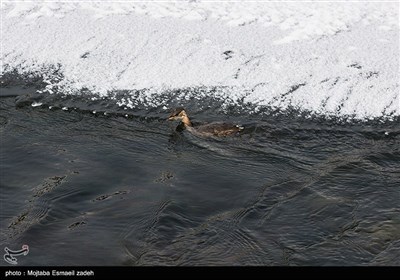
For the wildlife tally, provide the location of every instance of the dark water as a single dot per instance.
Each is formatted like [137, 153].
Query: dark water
[93, 189]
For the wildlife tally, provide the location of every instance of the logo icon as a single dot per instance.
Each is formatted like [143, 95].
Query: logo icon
[9, 256]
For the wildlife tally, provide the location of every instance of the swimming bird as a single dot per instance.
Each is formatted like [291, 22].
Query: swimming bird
[211, 129]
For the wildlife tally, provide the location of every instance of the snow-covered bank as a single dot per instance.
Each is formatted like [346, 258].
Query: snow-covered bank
[325, 57]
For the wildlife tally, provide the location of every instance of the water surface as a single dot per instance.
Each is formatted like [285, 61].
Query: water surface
[122, 187]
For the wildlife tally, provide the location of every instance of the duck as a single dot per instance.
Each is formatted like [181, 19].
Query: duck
[211, 129]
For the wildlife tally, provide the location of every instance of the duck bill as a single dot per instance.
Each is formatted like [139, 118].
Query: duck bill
[171, 119]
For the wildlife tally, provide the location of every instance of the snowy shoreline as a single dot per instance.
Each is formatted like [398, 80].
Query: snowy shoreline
[338, 59]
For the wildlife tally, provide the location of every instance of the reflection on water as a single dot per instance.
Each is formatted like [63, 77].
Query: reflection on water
[132, 191]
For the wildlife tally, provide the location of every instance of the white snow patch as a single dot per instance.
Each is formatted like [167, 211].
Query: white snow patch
[339, 58]
[36, 104]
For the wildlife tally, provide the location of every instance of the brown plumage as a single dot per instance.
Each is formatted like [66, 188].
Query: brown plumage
[211, 129]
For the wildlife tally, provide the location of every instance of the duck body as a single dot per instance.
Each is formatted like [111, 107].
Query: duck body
[212, 129]
[216, 129]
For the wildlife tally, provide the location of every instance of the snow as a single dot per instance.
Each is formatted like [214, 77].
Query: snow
[329, 58]
[36, 104]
